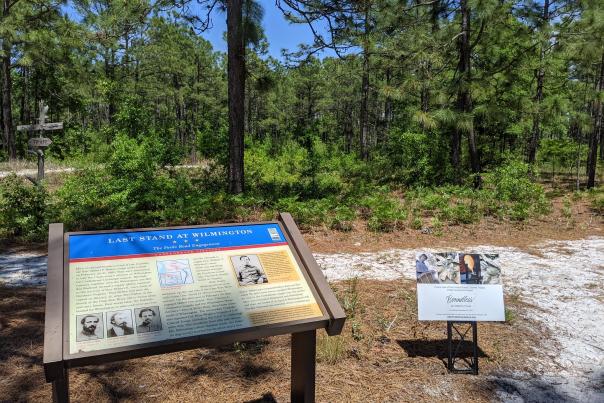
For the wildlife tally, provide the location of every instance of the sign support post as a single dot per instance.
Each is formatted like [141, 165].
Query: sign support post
[462, 329]
[40, 164]
[304, 348]
[54, 366]
[60, 388]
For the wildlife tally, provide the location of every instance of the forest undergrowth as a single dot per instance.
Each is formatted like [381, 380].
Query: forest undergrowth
[139, 185]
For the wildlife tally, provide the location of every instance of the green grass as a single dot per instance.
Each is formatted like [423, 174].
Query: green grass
[330, 350]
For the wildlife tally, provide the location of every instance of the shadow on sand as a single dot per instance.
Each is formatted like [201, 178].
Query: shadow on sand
[437, 348]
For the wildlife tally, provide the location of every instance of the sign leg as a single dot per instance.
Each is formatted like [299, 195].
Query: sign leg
[450, 345]
[304, 349]
[60, 388]
[475, 346]
[462, 330]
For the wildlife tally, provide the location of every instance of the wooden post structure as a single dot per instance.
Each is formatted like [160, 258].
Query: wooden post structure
[54, 366]
[304, 348]
[37, 145]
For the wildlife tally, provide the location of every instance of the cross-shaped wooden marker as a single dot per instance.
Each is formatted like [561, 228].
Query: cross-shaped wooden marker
[38, 144]
[42, 126]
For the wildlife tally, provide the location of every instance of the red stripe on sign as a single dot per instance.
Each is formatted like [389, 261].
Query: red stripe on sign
[178, 252]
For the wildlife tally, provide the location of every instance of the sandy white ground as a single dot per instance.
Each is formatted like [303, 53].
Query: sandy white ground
[562, 282]
[22, 269]
[33, 172]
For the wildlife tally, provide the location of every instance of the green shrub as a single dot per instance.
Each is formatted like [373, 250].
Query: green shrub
[463, 213]
[23, 209]
[343, 219]
[407, 158]
[309, 213]
[130, 190]
[437, 226]
[567, 210]
[385, 213]
[417, 223]
[292, 170]
[597, 203]
[277, 174]
[560, 153]
[323, 184]
[432, 201]
[517, 196]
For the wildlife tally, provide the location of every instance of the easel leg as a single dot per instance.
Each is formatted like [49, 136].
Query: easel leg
[450, 340]
[60, 388]
[462, 332]
[475, 346]
[304, 349]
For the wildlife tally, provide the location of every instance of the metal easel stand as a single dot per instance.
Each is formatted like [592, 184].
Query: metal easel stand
[461, 332]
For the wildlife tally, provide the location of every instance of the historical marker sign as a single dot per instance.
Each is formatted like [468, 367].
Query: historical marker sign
[131, 293]
[39, 142]
[459, 287]
[195, 281]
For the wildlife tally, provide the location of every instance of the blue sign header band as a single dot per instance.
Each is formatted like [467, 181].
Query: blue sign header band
[83, 247]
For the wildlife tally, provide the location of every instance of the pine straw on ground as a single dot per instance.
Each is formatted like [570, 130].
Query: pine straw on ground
[384, 354]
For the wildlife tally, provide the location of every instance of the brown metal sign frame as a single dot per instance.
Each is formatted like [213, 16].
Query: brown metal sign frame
[57, 359]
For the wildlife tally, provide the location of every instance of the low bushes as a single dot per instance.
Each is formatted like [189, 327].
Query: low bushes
[597, 201]
[131, 189]
[23, 209]
[137, 186]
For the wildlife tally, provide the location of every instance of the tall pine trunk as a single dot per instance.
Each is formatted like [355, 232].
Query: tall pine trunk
[1, 111]
[592, 159]
[365, 90]
[540, 75]
[236, 94]
[23, 102]
[464, 98]
[387, 109]
[7, 110]
[434, 28]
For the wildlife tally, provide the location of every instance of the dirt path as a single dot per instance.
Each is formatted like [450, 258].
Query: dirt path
[33, 172]
[559, 282]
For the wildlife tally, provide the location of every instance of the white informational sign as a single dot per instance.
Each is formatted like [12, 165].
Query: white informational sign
[459, 287]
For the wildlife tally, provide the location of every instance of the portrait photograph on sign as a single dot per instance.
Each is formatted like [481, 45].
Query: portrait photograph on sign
[249, 270]
[148, 319]
[91, 326]
[119, 323]
[479, 269]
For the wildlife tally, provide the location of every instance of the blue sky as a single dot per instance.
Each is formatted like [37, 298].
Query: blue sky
[279, 33]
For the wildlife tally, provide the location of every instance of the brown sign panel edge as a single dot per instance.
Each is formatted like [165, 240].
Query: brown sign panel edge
[56, 340]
